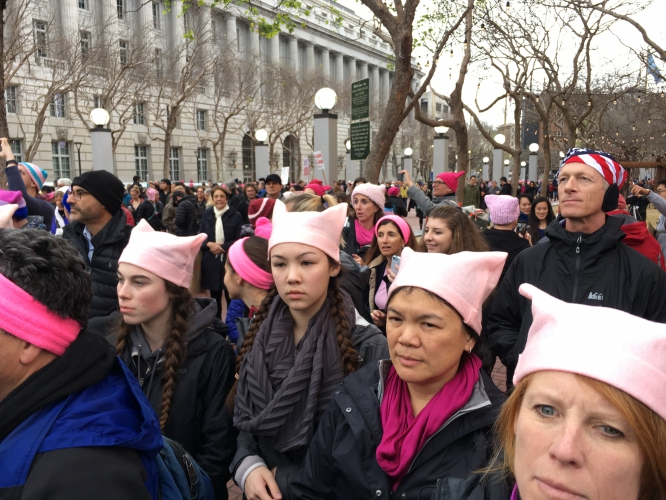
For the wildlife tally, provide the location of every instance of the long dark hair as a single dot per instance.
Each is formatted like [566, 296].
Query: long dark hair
[348, 355]
[534, 221]
[373, 251]
[465, 236]
[174, 355]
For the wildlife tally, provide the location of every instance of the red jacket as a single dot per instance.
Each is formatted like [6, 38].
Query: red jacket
[639, 238]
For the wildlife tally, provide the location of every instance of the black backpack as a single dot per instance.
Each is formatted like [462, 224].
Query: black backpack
[195, 222]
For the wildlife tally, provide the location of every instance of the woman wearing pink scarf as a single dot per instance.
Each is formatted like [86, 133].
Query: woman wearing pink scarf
[420, 425]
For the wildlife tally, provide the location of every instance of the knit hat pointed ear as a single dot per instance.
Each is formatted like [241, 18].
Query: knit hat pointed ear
[166, 255]
[445, 276]
[321, 230]
[563, 335]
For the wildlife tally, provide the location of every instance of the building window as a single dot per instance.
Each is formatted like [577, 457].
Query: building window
[248, 159]
[140, 113]
[83, 4]
[158, 63]
[17, 149]
[156, 15]
[84, 43]
[123, 52]
[438, 107]
[141, 161]
[120, 6]
[57, 106]
[99, 102]
[60, 150]
[202, 164]
[39, 31]
[11, 99]
[201, 119]
[424, 106]
[174, 163]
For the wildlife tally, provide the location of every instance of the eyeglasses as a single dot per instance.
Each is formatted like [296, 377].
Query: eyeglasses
[437, 183]
[659, 191]
[78, 194]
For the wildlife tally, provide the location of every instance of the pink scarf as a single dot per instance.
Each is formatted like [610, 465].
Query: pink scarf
[363, 235]
[404, 434]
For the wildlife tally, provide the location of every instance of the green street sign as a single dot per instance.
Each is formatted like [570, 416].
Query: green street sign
[360, 102]
[359, 135]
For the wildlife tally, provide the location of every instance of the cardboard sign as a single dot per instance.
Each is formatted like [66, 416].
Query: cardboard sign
[285, 175]
[319, 160]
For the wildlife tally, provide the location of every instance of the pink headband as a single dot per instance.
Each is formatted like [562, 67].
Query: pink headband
[33, 322]
[405, 230]
[247, 269]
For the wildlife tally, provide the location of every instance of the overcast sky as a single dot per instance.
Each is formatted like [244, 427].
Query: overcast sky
[609, 52]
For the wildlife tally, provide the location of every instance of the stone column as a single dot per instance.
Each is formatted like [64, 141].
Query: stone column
[275, 49]
[230, 42]
[110, 23]
[309, 58]
[364, 70]
[325, 62]
[69, 26]
[293, 53]
[352, 69]
[340, 69]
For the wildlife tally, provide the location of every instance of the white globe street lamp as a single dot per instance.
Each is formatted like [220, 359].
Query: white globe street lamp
[408, 152]
[506, 162]
[325, 99]
[561, 154]
[534, 147]
[261, 135]
[100, 117]
[441, 130]
[486, 159]
[500, 138]
[522, 163]
[348, 145]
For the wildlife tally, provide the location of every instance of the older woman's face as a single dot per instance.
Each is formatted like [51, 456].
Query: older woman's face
[426, 339]
[571, 442]
[220, 199]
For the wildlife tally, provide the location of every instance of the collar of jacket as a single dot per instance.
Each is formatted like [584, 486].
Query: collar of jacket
[600, 241]
[115, 230]
[449, 197]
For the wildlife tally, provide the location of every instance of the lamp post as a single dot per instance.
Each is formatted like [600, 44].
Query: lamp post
[326, 134]
[349, 164]
[78, 152]
[484, 169]
[497, 156]
[407, 161]
[440, 153]
[261, 160]
[100, 139]
[533, 161]
[523, 170]
[506, 171]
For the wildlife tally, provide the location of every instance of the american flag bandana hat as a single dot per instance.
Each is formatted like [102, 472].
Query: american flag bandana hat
[602, 162]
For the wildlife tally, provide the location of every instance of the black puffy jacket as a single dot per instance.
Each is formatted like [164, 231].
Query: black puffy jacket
[341, 460]
[109, 243]
[186, 215]
[592, 269]
[199, 418]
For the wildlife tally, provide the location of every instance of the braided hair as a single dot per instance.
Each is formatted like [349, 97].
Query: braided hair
[343, 332]
[181, 308]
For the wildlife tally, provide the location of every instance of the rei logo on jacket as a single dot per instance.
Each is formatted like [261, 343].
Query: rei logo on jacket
[596, 296]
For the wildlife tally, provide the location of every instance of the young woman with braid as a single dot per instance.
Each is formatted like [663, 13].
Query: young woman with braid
[175, 346]
[295, 355]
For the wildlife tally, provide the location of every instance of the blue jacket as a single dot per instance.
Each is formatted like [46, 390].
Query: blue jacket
[235, 310]
[111, 413]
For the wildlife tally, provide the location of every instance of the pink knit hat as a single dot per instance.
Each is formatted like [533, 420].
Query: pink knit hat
[168, 256]
[264, 228]
[320, 230]
[394, 191]
[503, 208]
[464, 279]
[372, 191]
[563, 336]
[451, 179]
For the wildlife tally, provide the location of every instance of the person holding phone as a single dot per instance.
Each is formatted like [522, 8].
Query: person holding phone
[391, 235]
[443, 191]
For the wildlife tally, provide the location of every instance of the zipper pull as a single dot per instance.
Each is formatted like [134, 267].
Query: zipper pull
[578, 241]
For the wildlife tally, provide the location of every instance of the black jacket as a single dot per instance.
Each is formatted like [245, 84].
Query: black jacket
[104, 472]
[341, 460]
[185, 216]
[397, 205]
[354, 280]
[371, 346]
[500, 240]
[506, 189]
[212, 266]
[592, 269]
[351, 245]
[109, 243]
[199, 418]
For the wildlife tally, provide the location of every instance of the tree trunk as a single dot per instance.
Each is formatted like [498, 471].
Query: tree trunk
[546, 172]
[462, 163]
[395, 107]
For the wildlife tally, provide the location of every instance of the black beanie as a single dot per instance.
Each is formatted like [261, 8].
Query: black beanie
[104, 186]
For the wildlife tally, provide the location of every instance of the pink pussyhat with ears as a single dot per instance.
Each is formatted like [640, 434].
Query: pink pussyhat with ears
[451, 179]
[166, 255]
[321, 230]
[593, 341]
[464, 279]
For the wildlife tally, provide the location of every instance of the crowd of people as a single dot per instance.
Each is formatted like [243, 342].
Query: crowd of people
[307, 342]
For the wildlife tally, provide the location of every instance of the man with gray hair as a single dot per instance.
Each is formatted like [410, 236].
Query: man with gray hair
[583, 261]
[64, 182]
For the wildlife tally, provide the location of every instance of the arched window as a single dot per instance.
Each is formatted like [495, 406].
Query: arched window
[249, 166]
[290, 156]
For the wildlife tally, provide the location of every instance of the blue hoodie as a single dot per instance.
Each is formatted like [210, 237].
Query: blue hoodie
[111, 413]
